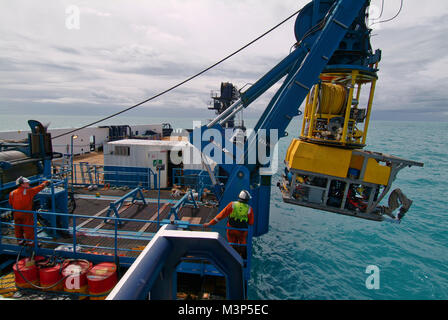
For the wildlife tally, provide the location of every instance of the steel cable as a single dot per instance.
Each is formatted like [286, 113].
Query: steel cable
[184, 81]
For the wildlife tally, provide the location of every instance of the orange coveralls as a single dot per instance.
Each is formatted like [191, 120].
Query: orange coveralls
[22, 199]
[234, 236]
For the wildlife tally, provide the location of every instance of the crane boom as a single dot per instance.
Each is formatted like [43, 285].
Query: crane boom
[332, 52]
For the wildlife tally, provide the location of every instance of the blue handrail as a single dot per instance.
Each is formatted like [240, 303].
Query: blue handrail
[117, 234]
[188, 198]
[136, 194]
[102, 177]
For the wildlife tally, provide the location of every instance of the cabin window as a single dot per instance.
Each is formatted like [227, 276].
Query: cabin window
[122, 151]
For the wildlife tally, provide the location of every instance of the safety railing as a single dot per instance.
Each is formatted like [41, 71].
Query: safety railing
[192, 178]
[74, 231]
[136, 194]
[188, 198]
[85, 174]
[199, 180]
[82, 248]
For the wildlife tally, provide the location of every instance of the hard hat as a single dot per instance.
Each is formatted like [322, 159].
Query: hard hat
[21, 180]
[244, 195]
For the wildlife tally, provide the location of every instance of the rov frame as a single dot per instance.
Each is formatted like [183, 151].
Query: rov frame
[319, 190]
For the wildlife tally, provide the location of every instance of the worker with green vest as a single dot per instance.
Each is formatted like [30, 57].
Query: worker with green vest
[240, 215]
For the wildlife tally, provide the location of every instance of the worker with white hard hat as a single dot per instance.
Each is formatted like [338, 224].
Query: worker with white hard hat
[22, 199]
[240, 215]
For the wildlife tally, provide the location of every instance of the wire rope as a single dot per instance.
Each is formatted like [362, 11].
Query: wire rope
[184, 81]
[388, 20]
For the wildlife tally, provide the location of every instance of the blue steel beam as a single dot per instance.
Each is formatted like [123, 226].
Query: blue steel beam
[153, 273]
[285, 104]
[303, 67]
[298, 84]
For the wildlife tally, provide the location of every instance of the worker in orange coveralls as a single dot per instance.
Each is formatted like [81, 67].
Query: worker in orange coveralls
[241, 216]
[22, 199]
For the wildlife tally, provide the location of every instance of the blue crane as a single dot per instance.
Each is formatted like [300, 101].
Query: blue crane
[331, 58]
[331, 35]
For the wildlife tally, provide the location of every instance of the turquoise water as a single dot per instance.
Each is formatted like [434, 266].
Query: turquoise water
[309, 254]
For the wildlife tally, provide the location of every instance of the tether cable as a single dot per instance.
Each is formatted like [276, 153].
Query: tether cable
[387, 20]
[184, 81]
[381, 13]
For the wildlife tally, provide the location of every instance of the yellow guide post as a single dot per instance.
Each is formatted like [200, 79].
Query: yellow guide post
[349, 107]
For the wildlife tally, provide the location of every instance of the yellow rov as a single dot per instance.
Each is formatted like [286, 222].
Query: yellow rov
[326, 168]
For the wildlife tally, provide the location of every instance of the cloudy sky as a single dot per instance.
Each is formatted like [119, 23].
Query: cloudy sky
[126, 51]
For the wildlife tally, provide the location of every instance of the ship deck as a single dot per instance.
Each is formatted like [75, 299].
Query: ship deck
[140, 222]
[97, 235]
[94, 233]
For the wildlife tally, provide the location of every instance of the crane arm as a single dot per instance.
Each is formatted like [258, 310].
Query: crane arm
[327, 24]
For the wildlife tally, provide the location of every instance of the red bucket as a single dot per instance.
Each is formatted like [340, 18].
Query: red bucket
[102, 278]
[75, 272]
[26, 272]
[49, 276]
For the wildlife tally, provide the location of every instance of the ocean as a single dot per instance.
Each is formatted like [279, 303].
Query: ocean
[310, 254]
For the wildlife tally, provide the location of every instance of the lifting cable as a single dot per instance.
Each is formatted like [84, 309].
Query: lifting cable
[184, 81]
[381, 13]
[387, 20]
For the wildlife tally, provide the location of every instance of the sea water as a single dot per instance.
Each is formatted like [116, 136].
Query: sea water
[310, 254]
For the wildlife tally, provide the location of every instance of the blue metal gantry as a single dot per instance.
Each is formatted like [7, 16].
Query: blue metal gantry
[322, 28]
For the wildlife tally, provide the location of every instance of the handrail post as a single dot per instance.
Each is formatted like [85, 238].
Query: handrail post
[53, 199]
[74, 234]
[75, 178]
[158, 199]
[116, 240]
[35, 230]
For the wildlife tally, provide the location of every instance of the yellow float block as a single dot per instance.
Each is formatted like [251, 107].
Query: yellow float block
[334, 161]
[376, 173]
[316, 158]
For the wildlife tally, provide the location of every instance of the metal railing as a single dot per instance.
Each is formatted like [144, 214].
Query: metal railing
[80, 249]
[193, 179]
[198, 180]
[74, 231]
[85, 174]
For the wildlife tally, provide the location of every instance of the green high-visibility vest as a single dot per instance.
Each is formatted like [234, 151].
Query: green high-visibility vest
[240, 211]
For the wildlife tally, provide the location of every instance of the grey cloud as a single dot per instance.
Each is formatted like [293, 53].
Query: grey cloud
[8, 65]
[60, 67]
[100, 72]
[412, 76]
[67, 50]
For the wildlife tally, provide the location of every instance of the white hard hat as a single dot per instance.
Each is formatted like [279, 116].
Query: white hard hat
[21, 180]
[244, 195]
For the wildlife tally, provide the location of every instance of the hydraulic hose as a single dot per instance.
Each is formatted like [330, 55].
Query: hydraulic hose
[53, 285]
